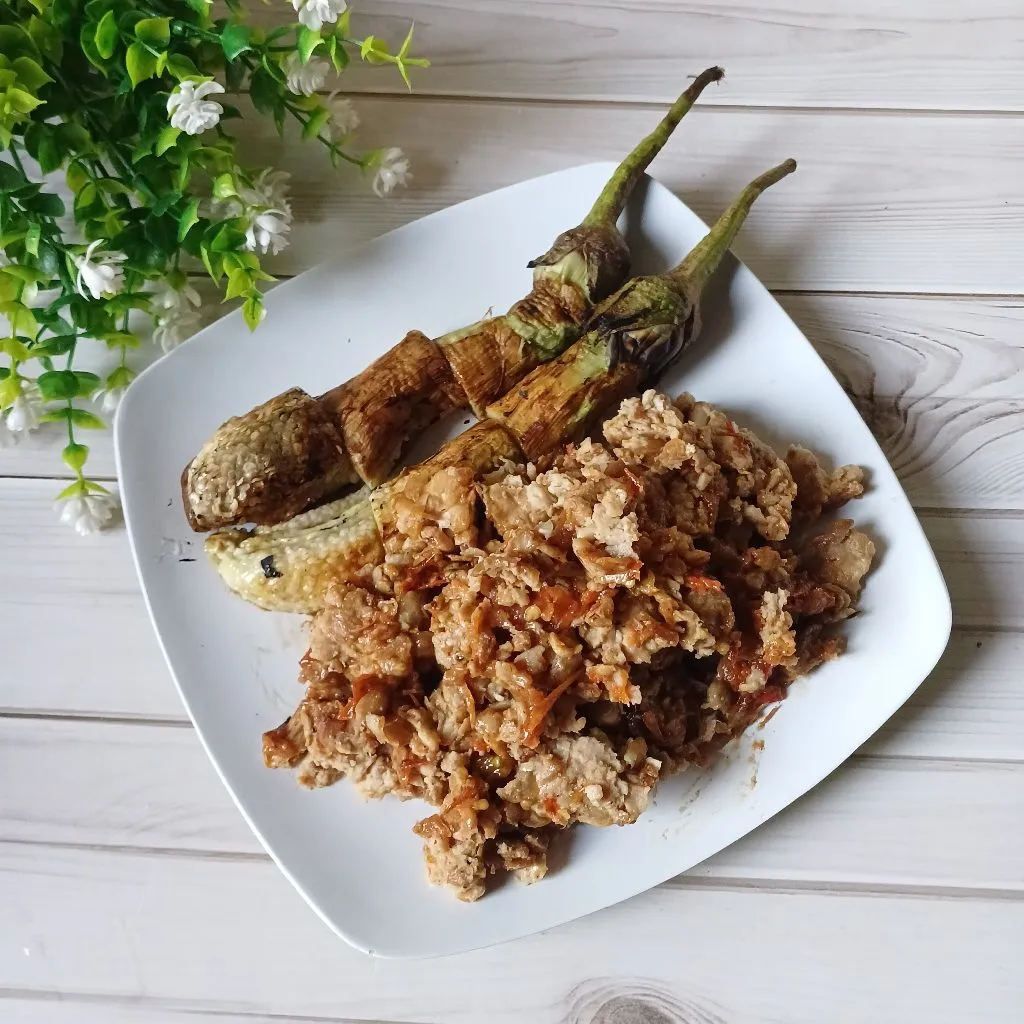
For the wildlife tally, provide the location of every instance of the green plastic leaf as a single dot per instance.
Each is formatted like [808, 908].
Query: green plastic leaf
[74, 456]
[30, 73]
[32, 240]
[26, 275]
[57, 345]
[254, 311]
[49, 153]
[212, 261]
[45, 37]
[167, 138]
[164, 203]
[161, 62]
[141, 64]
[338, 54]
[309, 40]
[86, 420]
[21, 321]
[264, 92]
[10, 177]
[46, 204]
[224, 186]
[238, 284]
[48, 258]
[88, 44]
[199, 6]
[76, 486]
[227, 238]
[113, 187]
[120, 339]
[311, 129]
[58, 385]
[14, 347]
[87, 382]
[235, 39]
[234, 75]
[106, 35]
[21, 101]
[188, 219]
[181, 67]
[16, 42]
[374, 50]
[154, 32]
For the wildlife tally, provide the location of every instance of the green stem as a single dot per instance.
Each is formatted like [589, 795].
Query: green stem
[702, 261]
[610, 202]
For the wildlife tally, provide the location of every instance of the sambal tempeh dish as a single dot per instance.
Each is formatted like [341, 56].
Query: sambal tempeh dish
[594, 587]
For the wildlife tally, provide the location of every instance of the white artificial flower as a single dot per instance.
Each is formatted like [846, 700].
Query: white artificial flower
[305, 79]
[189, 108]
[268, 210]
[173, 328]
[315, 13]
[108, 399]
[87, 513]
[268, 231]
[168, 297]
[269, 189]
[343, 120]
[24, 412]
[392, 171]
[176, 318]
[101, 275]
[7, 436]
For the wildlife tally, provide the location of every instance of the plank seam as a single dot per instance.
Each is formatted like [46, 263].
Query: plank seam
[712, 105]
[685, 881]
[182, 1007]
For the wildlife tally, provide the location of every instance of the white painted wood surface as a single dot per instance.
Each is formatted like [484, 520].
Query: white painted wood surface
[130, 889]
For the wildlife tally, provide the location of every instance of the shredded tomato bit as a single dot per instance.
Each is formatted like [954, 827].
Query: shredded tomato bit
[541, 709]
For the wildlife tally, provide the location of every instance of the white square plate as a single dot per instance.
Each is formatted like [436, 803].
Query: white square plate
[358, 864]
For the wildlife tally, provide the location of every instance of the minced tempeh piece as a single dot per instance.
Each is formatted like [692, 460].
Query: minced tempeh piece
[615, 615]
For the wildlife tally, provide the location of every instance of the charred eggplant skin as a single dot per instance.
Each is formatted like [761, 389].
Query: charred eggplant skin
[264, 468]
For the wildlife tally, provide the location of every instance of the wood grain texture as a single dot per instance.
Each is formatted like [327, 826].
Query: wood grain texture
[910, 203]
[878, 821]
[939, 380]
[800, 52]
[23, 1007]
[231, 935]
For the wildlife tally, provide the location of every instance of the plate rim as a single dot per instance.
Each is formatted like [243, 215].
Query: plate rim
[941, 634]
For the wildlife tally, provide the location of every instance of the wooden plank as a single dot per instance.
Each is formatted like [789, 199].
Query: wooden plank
[804, 52]
[103, 659]
[233, 935]
[878, 821]
[22, 1007]
[914, 203]
[939, 380]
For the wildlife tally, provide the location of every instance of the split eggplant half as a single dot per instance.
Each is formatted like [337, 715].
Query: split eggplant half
[403, 527]
[296, 451]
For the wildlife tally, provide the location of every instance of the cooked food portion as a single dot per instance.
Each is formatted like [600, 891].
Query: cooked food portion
[289, 567]
[268, 465]
[592, 623]
[263, 468]
[634, 334]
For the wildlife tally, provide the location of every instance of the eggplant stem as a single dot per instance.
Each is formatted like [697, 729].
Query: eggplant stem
[702, 261]
[609, 204]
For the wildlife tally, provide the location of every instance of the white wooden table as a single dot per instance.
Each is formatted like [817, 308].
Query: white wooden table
[131, 890]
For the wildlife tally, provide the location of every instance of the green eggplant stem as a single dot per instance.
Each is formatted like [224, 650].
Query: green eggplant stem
[609, 204]
[702, 261]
